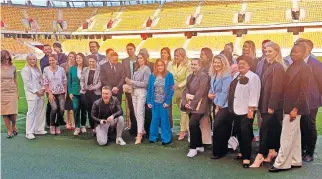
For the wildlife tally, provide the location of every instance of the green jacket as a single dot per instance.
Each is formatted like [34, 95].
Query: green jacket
[73, 82]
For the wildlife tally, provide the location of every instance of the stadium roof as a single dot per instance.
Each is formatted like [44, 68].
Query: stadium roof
[84, 3]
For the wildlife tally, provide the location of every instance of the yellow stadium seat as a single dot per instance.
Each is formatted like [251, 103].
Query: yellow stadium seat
[212, 42]
[157, 43]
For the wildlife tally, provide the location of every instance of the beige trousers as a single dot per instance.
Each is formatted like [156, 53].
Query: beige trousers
[206, 129]
[290, 150]
[184, 118]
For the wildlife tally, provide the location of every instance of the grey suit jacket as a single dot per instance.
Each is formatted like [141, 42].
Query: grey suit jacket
[198, 87]
[96, 81]
[127, 68]
[112, 78]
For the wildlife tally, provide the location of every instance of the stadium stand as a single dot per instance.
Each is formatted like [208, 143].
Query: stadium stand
[316, 38]
[134, 17]
[76, 45]
[175, 14]
[12, 16]
[268, 12]
[157, 43]
[285, 40]
[213, 42]
[118, 45]
[218, 13]
[75, 17]
[14, 46]
[313, 10]
[44, 17]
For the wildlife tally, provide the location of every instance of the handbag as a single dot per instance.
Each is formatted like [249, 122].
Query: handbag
[189, 98]
[233, 141]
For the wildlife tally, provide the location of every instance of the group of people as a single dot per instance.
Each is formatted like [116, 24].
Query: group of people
[218, 97]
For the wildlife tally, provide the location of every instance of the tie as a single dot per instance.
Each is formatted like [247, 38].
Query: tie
[113, 68]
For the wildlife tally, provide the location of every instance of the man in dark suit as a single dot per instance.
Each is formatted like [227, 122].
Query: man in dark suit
[308, 122]
[295, 105]
[94, 46]
[112, 74]
[129, 68]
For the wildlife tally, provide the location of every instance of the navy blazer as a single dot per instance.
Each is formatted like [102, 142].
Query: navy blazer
[220, 87]
[296, 88]
[315, 86]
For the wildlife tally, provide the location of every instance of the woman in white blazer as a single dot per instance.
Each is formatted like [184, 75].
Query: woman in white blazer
[34, 91]
[244, 92]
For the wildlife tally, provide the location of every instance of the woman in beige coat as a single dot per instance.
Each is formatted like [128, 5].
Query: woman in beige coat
[180, 68]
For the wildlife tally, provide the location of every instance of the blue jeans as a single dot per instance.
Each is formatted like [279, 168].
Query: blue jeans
[160, 113]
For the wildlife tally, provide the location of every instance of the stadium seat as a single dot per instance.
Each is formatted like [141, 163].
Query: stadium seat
[14, 46]
[285, 40]
[157, 43]
[316, 38]
[212, 42]
[313, 10]
[12, 16]
[119, 45]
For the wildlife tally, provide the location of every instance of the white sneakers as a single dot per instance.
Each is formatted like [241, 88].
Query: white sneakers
[77, 131]
[41, 132]
[83, 129]
[120, 141]
[194, 152]
[30, 136]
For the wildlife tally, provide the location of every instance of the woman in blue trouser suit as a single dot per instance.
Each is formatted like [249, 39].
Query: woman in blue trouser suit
[160, 92]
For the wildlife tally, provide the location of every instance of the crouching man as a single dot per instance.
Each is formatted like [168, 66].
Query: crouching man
[107, 112]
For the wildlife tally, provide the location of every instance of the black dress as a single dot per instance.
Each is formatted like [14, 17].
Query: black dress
[68, 101]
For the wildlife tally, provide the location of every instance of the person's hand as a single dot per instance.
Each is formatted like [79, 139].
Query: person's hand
[71, 96]
[110, 119]
[270, 111]
[187, 106]
[293, 114]
[150, 106]
[103, 122]
[250, 114]
[165, 105]
[211, 96]
[51, 97]
[115, 90]
[38, 93]
[175, 87]
[42, 92]
[128, 81]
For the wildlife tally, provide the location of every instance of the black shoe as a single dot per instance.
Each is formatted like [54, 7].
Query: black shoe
[15, 132]
[294, 166]
[163, 143]
[238, 157]
[308, 158]
[246, 165]
[152, 142]
[274, 169]
[216, 157]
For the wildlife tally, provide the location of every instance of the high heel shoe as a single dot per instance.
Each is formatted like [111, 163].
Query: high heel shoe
[138, 139]
[182, 135]
[15, 132]
[257, 163]
[246, 164]
[238, 157]
[270, 157]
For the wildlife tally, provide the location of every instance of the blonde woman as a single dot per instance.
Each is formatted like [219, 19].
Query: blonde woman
[218, 93]
[34, 91]
[180, 68]
[272, 74]
[249, 49]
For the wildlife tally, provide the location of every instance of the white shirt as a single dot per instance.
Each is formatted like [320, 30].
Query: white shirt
[307, 58]
[247, 95]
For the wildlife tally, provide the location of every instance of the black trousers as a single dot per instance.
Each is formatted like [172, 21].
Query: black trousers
[147, 119]
[119, 97]
[60, 120]
[243, 127]
[195, 131]
[270, 131]
[87, 101]
[221, 132]
[133, 129]
[309, 132]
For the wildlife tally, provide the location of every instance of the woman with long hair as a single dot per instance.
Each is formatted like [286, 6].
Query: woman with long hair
[165, 55]
[218, 93]
[271, 103]
[55, 81]
[73, 84]
[140, 84]
[159, 98]
[232, 62]
[9, 93]
[70, 123]
[34, 92]
[249, 49]
[180, 69]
